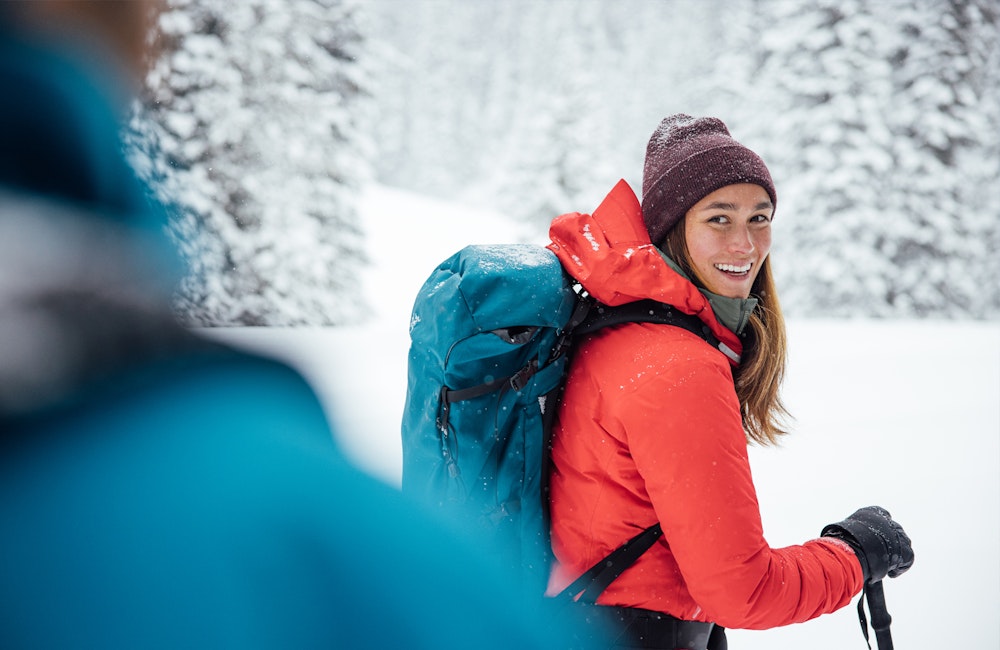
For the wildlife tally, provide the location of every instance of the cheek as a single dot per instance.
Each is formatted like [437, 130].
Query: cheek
[700, 254]
[701, 246]
[763, 242]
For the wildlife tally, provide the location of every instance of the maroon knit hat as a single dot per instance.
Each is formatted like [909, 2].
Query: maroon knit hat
[687, 159]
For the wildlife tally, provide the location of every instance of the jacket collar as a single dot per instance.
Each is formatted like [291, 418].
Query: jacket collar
[609, 253]
[734, 313]
[81, 298]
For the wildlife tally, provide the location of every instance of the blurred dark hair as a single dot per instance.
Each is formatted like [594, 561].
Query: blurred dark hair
[123, 25]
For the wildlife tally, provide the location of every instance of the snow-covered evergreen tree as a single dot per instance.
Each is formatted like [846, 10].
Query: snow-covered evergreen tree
[946, 174]
[868, 120]
[257, 107]
[483, 100]
[879, 119]
[436, 66]
[551, 156]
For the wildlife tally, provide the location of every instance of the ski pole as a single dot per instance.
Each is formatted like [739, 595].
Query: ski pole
[880, 615]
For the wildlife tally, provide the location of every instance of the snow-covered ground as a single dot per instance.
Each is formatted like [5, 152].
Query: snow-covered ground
[901, 414]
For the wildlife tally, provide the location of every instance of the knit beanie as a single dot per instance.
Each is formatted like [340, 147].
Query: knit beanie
[687, 159]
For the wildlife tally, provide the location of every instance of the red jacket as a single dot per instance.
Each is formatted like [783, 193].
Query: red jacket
[650, 430]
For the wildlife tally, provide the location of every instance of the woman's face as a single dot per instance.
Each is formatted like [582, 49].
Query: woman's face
[728, 236]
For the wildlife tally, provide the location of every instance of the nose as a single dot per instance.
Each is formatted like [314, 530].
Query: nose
[741, 240]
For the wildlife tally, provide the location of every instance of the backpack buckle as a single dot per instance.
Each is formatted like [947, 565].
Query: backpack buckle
[520, 378]
[445, 410]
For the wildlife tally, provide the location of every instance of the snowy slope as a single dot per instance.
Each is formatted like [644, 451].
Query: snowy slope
[902, 414]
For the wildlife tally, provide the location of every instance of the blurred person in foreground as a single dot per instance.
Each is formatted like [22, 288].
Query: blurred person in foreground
[159, 490]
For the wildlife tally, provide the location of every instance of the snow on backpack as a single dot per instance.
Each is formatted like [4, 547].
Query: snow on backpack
[491, 335]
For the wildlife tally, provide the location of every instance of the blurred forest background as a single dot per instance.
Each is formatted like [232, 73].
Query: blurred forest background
[263, 121]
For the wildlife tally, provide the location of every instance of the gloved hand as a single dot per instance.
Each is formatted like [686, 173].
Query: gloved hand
[880, 543]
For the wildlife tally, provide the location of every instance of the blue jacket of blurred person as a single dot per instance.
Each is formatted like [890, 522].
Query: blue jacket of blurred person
[157, 490]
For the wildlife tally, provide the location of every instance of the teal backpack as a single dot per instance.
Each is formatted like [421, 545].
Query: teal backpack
[491, 334]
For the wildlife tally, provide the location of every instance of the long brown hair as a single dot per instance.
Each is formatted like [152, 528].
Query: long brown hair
[765, 349]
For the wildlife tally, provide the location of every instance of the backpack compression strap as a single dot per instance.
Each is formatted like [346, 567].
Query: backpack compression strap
[519, 379]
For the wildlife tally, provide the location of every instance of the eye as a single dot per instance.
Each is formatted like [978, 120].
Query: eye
[719, 218]
[760, 218]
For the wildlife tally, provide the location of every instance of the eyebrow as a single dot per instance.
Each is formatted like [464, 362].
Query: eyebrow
[724, 205]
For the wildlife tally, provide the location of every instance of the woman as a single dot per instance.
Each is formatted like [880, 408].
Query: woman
[654, 423]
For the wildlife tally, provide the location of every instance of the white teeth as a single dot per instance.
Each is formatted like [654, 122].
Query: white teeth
[729, 268]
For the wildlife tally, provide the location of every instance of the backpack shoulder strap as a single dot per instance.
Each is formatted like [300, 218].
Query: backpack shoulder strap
[644, 311]
[589, 316]
[592, 316]
[596, 579]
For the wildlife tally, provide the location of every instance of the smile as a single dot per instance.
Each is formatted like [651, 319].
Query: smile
[730, 268]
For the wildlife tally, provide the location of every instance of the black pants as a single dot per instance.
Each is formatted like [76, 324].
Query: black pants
[631, 628]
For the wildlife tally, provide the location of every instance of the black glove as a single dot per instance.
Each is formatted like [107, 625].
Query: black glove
[881, 544]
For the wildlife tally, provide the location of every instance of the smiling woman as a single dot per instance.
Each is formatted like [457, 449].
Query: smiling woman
[654, 424]
[728, 236]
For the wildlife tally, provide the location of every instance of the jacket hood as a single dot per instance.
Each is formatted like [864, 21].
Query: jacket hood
[81, 299]
[610, 254]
